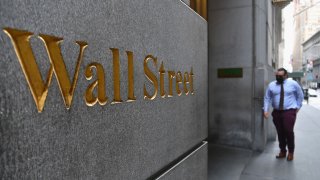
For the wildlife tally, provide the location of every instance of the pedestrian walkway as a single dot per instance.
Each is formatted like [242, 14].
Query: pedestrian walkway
[315, 101]
[227, 163]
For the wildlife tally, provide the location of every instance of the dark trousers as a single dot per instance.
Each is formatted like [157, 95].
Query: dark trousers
[284, 122]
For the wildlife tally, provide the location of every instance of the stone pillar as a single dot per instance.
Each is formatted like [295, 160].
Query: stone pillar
[136, 107]
[239, 37]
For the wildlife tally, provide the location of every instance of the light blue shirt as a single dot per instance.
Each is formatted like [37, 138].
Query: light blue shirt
[293, 95]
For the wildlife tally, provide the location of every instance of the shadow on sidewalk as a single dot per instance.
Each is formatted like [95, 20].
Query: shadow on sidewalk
[227, 163]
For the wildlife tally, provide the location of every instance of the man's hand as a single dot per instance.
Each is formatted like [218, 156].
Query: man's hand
[266, 115]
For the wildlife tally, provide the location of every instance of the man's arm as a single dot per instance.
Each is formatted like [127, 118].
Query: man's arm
[267, 101]
[299, 95]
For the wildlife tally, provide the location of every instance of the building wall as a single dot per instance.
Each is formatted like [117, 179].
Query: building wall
[316, 72]
[240, 36]
[129, 140]
[312, 18]
[307, 22]
[311, 52]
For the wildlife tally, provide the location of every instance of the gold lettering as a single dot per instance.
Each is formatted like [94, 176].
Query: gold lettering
[151, 77]
[39, 89]
[171, 75]
[185, 82]
[131, 96]
[191, 81]
[162, 72]
[90, 99]
[116, 76]
[52, 45]
[178, 81]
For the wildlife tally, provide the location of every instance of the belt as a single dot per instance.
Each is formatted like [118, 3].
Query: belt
[291, 109]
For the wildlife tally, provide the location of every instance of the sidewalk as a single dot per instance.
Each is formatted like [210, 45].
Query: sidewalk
[227, 163]
[315, 101]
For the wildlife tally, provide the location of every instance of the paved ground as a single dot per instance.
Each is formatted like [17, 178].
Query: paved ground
[315, 101]
[227, 163]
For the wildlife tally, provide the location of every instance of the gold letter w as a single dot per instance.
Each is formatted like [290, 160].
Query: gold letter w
[39, 89]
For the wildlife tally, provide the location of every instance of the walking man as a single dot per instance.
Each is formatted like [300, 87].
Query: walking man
[286, 98]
